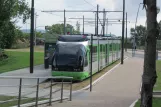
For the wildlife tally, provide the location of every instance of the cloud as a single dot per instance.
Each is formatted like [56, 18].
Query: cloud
[108, 4]
[48, 19]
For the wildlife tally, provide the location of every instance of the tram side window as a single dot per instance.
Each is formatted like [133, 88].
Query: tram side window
[94, 57]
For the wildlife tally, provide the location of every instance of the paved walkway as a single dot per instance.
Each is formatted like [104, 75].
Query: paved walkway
[118, 89]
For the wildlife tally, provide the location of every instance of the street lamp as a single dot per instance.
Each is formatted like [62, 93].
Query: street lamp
[31, 38]
[35, 26]
[134, 42]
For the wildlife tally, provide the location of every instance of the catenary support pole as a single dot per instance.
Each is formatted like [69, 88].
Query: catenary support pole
[98, 36]
[107, 26]
[104, 22]
[64, 23]
[32, 38]
[83, 24]
[95, 23]
[126, 34]
[91, 62]
[123, 29]
[35, 27]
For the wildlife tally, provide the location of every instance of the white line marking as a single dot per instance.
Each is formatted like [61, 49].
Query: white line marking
[133, 104]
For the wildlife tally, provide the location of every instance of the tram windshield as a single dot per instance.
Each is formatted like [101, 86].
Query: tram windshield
[68, 54]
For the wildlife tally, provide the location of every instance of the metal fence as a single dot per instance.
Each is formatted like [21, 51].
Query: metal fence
[62, 80]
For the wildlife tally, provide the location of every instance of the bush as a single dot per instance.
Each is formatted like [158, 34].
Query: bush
[2, 55]
[21, 43]
[20, 46]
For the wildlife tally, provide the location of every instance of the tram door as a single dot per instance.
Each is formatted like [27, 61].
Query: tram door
[49, 51]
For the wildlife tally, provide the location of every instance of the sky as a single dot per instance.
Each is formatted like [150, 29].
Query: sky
[131, 7]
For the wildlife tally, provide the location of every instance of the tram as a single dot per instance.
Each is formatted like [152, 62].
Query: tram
[72, 55]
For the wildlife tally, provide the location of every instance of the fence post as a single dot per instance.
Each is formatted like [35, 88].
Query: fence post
[108, 54]
[71, 90]
[19, 96]
[37, 92]
[50, 93]
[61, 92]
[112, 51]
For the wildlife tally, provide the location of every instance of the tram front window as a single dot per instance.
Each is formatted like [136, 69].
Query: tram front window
[68, 56]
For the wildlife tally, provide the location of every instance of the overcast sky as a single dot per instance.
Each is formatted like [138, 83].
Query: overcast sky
[44, 19]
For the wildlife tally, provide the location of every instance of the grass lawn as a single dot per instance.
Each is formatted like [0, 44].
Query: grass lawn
[36, 49]
[18, 60]
[156, 102]
[15, 102]
[158, 83]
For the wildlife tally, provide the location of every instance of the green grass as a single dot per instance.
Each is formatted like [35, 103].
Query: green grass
[158, 69]
[18, 60]
[14, 103]
[156, 102]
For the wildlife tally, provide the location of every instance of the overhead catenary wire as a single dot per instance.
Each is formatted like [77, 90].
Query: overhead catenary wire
[89, 3]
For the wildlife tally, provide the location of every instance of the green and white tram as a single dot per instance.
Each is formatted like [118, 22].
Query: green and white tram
[72, 55]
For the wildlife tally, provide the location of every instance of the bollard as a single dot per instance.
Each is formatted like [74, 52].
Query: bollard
[37, 92]
[71, 90]
[50, 94]
[61, 92]
[19, 96]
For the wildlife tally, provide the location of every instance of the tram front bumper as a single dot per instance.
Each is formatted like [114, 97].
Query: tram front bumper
[75, 75]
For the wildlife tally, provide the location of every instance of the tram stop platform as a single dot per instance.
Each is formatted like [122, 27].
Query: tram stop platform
[119, 88]
[39, 71]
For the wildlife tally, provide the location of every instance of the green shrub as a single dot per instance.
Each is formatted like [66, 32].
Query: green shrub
[20, 45]
[3, 56]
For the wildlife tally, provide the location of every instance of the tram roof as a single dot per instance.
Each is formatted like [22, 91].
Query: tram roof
[81, 38]
[72, 38]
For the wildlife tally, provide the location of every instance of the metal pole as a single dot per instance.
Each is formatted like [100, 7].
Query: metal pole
[19, 96]
[123, 29]
[61, 92]
[64, 23]
[134, 42]
[79, 11]
[37, 93]
[98, 36]
[35, 27]
[71, 90]
[104, 22]
[108, 50]
[91, 63]
[112, 49]
[126, 34]
[107, 27]
[83, 24]
[32, 38]
[50, 93]
[95, 24]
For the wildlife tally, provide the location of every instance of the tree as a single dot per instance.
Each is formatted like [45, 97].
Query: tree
[59, 28]
[139, 34]
[39, 35]
[55, 28]
[159, 26]
[149, 75]
[11, 10]
[78, 27]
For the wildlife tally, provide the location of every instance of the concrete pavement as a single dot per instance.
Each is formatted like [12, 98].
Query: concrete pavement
[118, 89]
